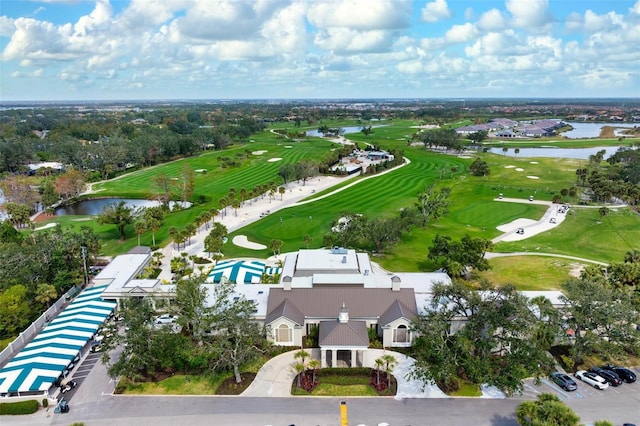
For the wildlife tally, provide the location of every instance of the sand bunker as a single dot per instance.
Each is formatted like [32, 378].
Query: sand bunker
[262, 151]
[48, 225]
[288, 146]
[533, 177]
[509, 167]
[242, 241]
[518, 223]
[273, 160]
[533, 162]
[518, 169]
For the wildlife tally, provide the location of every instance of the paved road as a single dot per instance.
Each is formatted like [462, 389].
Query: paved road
[159, 411]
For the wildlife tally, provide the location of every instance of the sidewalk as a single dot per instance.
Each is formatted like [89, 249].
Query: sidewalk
[276, 376]
[247, 214]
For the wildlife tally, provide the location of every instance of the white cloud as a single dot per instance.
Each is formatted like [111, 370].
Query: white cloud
[529, 14]
[361, 14]
[7, 26]
[22, 74]
[286, 32]
[492, 20]
[635, 9]
[343, 40]
[435, 11]
[461, 33]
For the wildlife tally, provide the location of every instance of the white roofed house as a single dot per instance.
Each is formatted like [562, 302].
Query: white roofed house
[338, 291]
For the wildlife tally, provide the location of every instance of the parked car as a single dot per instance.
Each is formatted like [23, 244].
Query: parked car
[553, 220]
[564, 381]
[531, 198]
[520, 231]
[612, 378]
[625, 374]
[71, 384]
[166, 319]
[592, 379]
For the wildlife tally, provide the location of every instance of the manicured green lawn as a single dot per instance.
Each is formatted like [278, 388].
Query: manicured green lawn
[467, 389]
[328, 389]
[582, 235]
[176, 385]
[531, 273]
[472, 210]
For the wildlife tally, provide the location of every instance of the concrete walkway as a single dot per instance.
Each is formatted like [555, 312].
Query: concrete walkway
[275, 377]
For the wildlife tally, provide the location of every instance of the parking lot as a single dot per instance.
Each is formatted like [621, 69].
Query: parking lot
[619, 404]
[584, 390]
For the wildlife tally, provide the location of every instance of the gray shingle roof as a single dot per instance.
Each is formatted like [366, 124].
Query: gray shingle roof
[285, 309]
[334, 333]
[324, 303]
[395, 311]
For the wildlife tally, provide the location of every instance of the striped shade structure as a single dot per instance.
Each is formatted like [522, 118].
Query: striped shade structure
[238, 271]
[42, 361]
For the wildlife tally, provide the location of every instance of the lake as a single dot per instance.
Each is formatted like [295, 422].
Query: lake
[551, 152]
[591, 130]
[345, 130]
[95, 206]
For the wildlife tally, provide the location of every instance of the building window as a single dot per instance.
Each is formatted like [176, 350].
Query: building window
[284, 334]
[401, 334]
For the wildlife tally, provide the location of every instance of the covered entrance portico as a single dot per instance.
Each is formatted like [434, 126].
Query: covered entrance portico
[341, 357]
[343, 342]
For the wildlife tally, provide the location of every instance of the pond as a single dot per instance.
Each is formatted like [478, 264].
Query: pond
[592, 130]
[345, 130]
[95, 206]
[552, 152]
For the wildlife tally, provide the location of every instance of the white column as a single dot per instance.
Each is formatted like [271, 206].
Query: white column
[354, 358]
[334, 358]
[323, 358]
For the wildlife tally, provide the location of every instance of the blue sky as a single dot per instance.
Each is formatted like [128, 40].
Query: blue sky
[236, 49]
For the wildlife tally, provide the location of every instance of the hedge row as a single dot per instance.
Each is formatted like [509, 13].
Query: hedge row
[22, 407]
[359, 371]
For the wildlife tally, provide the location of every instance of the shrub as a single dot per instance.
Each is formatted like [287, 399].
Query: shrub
[17, 408]
[45, 402]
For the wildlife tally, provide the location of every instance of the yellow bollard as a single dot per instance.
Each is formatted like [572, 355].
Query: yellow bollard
[344, 418]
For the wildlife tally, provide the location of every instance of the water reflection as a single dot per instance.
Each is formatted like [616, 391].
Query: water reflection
[95, 206]
[592, 130]
[551, 152]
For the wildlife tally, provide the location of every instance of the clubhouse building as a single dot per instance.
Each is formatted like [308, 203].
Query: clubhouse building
[336, 293]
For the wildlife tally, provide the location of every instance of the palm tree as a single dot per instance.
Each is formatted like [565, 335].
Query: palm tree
[307, 240]
[299, 368]
[173, 233]
[302, 355]
[389, 363]
[379, 363]
[281, 191]
[314, 365]
[157, 257]
[154, 225]
[139, 226]
[190, 230]
[236, 205]
[275, 245]
[223, 205]
[214, 212]
[243, 195]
